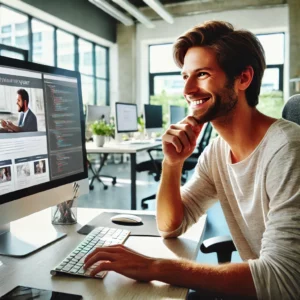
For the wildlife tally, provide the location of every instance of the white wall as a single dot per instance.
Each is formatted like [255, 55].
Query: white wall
[266, 20]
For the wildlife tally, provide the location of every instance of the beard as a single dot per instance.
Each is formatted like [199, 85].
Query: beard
[20, 108]
[224, 102]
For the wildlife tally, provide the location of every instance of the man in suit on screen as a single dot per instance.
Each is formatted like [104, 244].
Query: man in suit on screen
[27, 121]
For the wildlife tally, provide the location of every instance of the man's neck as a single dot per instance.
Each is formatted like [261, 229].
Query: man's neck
[25, 110]
[243, 130]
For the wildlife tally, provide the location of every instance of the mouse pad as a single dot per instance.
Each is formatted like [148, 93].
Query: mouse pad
[146, 228]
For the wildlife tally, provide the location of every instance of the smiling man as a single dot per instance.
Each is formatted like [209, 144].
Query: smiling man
[27, 119]
[252, 168]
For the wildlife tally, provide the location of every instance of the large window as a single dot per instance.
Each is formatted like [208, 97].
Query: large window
[52, 46]
[65, 50]
[14, 28]
[42, 43]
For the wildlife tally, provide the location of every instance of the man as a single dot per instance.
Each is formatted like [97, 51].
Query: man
[27, 121]
[252, 168]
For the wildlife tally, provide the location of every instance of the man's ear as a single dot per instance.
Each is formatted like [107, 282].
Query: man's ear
[245, 78]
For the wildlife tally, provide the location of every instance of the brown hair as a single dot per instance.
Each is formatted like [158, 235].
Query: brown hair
[24, 95]
[235, 50]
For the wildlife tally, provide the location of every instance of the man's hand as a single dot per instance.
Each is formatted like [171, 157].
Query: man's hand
[3, 123]
[10, 126]
[179, 141]
[122, 260]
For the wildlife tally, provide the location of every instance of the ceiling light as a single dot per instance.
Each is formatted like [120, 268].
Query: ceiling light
[111, 10]
[160, 10]
[135, 12]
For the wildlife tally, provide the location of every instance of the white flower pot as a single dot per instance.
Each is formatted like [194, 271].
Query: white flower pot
[99, 140]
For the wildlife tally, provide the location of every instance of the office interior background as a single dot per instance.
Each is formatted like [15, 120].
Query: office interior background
[133, 63]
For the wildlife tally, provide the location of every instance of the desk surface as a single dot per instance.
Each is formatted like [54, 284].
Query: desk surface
[34, 270]
[120, 148]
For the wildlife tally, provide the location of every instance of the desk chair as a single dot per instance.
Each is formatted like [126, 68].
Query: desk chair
[96, 173]
[153, 166]
[223, 245]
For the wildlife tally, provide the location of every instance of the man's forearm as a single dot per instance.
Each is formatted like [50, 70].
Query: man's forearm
[228, 279]
[169, 204]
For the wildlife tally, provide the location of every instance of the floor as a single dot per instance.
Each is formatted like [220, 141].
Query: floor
[118, 197]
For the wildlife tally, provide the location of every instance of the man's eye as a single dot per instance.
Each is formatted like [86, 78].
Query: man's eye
[201, 74]
[184, 77]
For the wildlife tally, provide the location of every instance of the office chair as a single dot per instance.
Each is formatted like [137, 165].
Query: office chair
[223, 245]
[153, 166]
[97, 175]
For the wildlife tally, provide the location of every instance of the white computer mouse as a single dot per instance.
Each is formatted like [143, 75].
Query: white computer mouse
[126, 219]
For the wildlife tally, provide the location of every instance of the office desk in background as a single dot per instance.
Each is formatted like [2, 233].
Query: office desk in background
[131, 149]
[34, 270]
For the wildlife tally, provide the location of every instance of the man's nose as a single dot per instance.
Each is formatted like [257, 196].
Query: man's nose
[191, 86]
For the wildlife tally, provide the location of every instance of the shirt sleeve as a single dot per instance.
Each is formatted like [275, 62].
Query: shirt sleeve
[197, 195]
[276, 274]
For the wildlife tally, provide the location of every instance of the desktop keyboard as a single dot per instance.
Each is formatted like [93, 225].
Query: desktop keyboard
[99, 237]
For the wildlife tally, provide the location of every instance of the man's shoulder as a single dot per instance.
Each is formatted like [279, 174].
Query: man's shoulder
[31, 114]
[284, 132]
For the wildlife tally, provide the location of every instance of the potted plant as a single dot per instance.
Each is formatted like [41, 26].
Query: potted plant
[100, 130]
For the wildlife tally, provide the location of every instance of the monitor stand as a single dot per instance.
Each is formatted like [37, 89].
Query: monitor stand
[25, 243]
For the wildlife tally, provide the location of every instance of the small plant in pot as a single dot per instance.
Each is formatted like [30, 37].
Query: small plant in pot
[100, 130]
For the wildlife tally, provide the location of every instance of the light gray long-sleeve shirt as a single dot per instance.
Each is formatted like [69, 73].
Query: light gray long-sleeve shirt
[260, 198]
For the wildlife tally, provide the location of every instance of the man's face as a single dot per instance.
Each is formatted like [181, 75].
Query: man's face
[207, 90]
[20, 103]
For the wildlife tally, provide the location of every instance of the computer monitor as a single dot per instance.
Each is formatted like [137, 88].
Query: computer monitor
[177, 113]
[126, 117]
[153, 116]
[48, 132]
[95, 113]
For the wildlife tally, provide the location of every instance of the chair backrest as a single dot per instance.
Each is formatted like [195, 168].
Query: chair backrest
[291, 110]
[205, 137]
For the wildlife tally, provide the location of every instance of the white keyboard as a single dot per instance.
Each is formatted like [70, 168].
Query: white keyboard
[99, 237]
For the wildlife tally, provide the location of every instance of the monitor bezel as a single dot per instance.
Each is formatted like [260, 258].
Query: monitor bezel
[117, 125]
[30, 66]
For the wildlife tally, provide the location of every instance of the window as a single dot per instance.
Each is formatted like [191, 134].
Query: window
[85, 57]
[6, 29]
[14, 25]
[101, 75]
[166, 84]
[271, 95]
[68, 51]
[94, 79]
[65, 50]
[88, 93]
[43, 43]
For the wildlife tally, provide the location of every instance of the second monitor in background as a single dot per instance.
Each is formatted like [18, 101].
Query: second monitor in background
[95, 113]
[177, 113]
[153, 118]
[126, 117]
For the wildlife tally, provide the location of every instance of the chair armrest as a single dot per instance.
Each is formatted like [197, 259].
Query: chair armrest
[222, 245]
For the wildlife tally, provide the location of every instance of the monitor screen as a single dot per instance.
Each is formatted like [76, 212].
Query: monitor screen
[96, 113]
[177, 113]
[153, 116]
[41, 129]
[126, 117]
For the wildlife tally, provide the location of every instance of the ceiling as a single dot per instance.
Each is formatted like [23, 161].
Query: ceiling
[178, 8]
[141, 3]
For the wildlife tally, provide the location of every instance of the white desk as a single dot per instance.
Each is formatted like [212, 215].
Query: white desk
[131, 149]
[34, 270]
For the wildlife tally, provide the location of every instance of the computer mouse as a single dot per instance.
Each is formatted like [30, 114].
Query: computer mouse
[126, 219]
